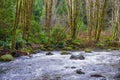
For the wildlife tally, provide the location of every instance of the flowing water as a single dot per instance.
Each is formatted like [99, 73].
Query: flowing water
[106, 65]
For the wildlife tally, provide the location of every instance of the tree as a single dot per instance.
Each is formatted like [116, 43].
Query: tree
[116, 19]
[48, 16]
[96, 16]
[23, 16]
[72, 8]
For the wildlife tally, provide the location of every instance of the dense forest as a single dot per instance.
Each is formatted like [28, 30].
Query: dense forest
[30, 25]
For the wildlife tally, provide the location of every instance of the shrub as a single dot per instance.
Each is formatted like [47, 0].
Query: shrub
[58, 35]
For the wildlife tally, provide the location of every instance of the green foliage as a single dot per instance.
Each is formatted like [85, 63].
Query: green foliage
[101, 44]
[19, 38]
[6, 42]
[81, 26]
[76, 41]
[58, 35]
[6, 57]
[61, 9]
[37, 35]
[6, 17]
[38, 10]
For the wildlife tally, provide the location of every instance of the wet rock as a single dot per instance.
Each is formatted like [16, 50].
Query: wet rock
[49, 53]
[79, 56]
[65, 53]
[108, 50]
[116, 76]
[118, 69]
[78, 71]
[103, 79]
[66, 67]
[97, 75]
[19, 53]
[6, 57]
[73, 67]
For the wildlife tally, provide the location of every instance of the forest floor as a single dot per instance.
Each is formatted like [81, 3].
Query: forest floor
[98, 65]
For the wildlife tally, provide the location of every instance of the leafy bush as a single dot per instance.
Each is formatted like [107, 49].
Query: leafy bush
[58, 36]
[5, 43]
[101, 44]
[37, 35]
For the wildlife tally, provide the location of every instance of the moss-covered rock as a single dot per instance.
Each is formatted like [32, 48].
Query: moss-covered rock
[6, 57]
[65, 53]
[88, 50]
[28, 49]
[69, 48]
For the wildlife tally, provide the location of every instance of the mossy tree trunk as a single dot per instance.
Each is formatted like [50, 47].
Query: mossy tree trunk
[23, 17]
[17, 18]
[116, 19]
[96, 15]
[48, 17]
[72, 8]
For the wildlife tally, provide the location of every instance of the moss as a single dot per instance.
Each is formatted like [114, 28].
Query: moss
[6, 57]
[28, 49]
[65, 53]
[88, 50]
[69, 48]
[114, 48]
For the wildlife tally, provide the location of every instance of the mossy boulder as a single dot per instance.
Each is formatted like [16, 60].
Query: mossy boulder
[6, 57]
[69, 48]
[88, 50]
[65, 53]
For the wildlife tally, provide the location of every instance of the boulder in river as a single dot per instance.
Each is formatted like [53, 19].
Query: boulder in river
[78, 71]
[65, 53]
[79, 56]
[88, 50]
[97, 75]
[49, 53]
[6, 57]
[117, 76]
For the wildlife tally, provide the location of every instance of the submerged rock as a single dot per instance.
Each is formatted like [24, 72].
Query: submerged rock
[49, 53]
[97, 75]
[65, 53]
[79, 56]
[73, 67]
[117, 76]
[78, 71]
[6, 57]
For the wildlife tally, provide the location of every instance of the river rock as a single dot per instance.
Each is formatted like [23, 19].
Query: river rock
[65, 53]
[19, 53]
[97, 75]
[117, 76]
[49, 53]
[79, 56]
[78, 71]
[6, 57]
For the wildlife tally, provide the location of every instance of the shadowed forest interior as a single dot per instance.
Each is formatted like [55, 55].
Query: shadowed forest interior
[59, 39]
